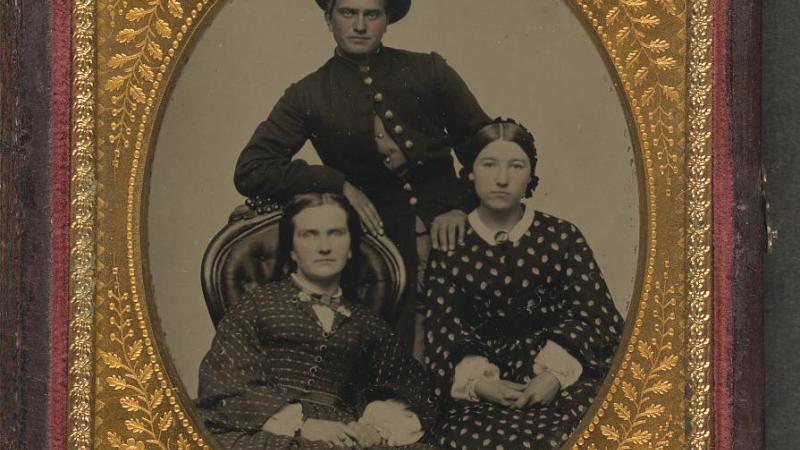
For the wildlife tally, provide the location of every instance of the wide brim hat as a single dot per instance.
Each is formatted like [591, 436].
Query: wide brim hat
[395, 9]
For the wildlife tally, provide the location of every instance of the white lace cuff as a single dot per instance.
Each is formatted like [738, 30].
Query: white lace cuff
[467, 373]
[286, 422]
[395, 422]
[557, 361]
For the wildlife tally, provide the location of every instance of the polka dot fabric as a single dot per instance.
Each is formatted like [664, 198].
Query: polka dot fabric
[271, 351]
[504, 302]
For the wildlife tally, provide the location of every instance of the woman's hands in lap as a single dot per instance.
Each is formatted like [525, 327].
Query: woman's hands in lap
[331, 432]
[365, 435]
[542, 389]
[340, 434]
[503, 392]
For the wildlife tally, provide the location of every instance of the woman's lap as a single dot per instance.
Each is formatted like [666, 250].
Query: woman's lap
[492, 426]
[268, 441]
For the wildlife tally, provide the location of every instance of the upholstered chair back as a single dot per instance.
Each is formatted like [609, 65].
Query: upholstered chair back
[243, 254]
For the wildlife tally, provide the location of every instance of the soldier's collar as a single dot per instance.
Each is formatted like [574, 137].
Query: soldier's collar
[366, 65]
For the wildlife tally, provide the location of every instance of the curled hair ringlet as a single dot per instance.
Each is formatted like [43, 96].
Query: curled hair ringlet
[504, 129]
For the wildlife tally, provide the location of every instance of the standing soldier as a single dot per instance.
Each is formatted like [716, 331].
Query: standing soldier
[383, 122]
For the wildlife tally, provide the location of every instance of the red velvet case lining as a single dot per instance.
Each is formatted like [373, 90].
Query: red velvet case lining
[61, 43]
[723, 231]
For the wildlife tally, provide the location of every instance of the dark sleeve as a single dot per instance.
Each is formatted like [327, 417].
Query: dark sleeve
[589, 327]
[462, 116]
[235, 392]
[448, 338]
[392, 373]
[265, 167]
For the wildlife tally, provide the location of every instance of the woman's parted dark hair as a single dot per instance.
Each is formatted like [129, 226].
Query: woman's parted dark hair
[501, 129]
[284, 264]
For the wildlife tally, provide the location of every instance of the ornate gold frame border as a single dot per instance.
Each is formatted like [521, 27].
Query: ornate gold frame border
[625, 415]
[699, 223]
[82, 222]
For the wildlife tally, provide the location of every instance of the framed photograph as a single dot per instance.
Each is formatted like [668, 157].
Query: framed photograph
[166, 94]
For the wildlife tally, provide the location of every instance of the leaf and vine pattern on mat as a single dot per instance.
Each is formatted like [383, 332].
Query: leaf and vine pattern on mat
[133, 382]
[646, 389]
[651, 62]
[147, 31]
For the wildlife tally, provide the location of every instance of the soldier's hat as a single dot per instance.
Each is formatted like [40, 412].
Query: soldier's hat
[395, 9]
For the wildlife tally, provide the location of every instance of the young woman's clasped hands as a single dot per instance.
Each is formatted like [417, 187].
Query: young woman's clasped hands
[341, 434]
[542, 389]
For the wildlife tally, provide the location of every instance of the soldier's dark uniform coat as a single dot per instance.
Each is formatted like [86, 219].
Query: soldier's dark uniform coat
[424, 105]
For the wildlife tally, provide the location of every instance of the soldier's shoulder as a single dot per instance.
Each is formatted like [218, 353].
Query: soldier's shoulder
[314, 78]
[412, 56]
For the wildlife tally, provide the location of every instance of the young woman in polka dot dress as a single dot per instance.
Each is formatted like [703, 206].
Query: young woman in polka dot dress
[520, 326]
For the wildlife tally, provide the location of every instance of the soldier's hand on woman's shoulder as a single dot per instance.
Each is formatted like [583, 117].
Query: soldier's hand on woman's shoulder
[365, 209]
[448, 229]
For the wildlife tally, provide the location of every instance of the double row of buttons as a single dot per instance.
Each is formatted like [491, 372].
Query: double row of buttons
[389, 115]
[398, 130]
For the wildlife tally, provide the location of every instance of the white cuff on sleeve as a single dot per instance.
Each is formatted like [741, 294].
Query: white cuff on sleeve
[467, 373]
[557, 361]
[395, 422]
[286, 422]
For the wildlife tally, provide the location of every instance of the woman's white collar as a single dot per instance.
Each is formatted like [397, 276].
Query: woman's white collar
[514, 235]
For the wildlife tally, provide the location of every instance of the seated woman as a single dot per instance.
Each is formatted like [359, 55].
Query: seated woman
[296, 364]
[520, 327]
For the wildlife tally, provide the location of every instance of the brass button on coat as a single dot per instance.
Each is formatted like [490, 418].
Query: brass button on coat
[368, 81]
[409, 144]
[407, 187]
[378, 97]
[389, 114]
[413, 201]
[398, 129]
